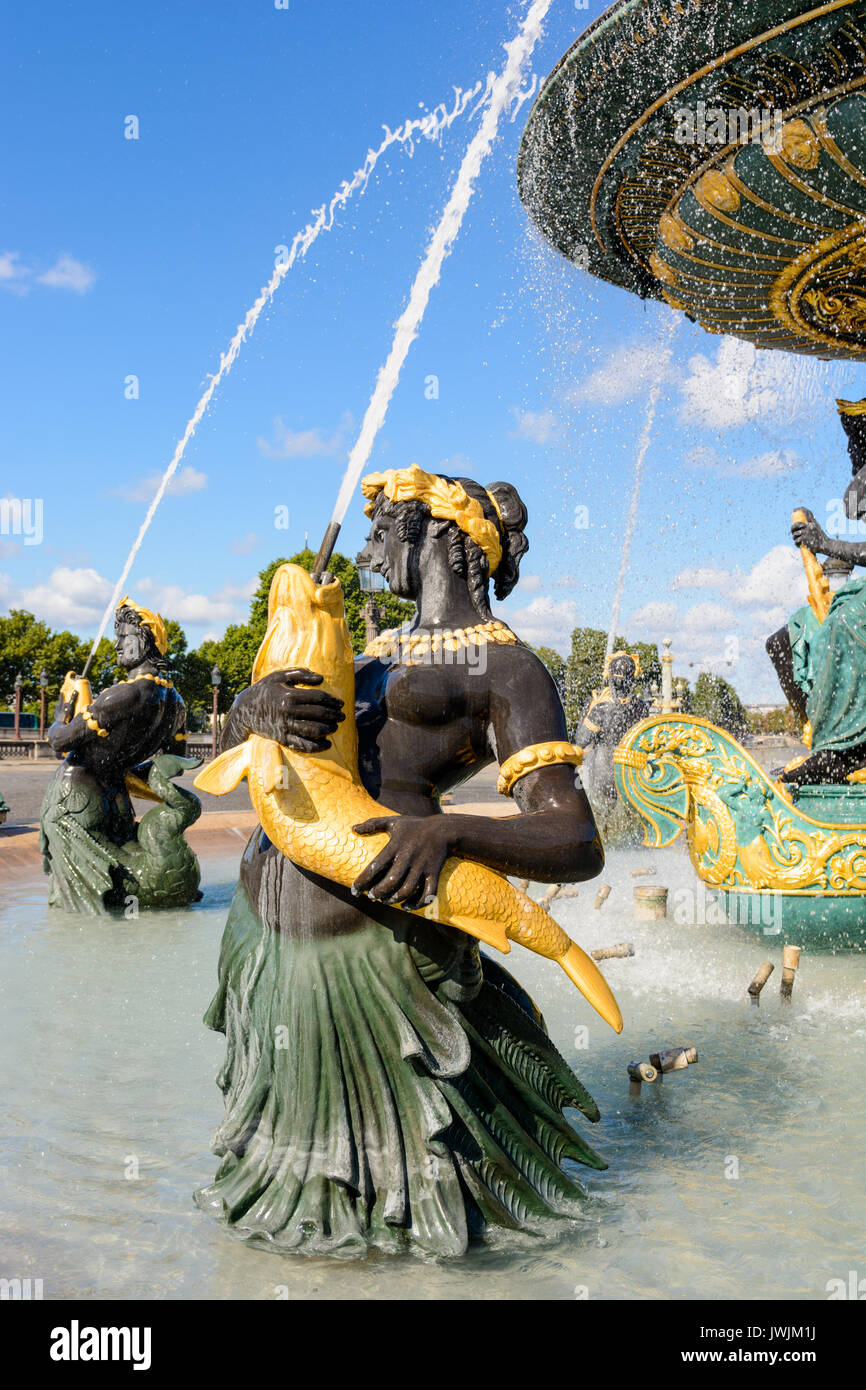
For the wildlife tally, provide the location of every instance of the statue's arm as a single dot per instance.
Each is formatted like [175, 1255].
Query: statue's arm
[554, 839]
[280, 708]
[815, 538]
[588, 731]
[107, 712]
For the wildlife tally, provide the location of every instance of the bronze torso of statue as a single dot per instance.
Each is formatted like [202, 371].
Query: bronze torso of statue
[820, 656]
[607, 719]
[96, 855]
[387, 1085]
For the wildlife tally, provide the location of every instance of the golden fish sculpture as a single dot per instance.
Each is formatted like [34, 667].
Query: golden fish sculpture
[307, 803]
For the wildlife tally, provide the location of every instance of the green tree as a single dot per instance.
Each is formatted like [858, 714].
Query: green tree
[650, 665]
[235, 652]
[28, 646]
[555, 665]
[716, 700]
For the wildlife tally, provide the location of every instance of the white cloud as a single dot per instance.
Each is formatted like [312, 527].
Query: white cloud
[775, 463]
[13, 275]
[545, 622]
[185, 481]
[726, 632]
[743, 386]
[304, 444]
[708, 618]
[244, 545]
[76, 599]
[457, 466]
[701, 578]
[8, 267]
[656, 617]
[228, 605]
[531, 583]
[68, 274]
[627, 372]
[65, 274]
[70, 598]
[777, 578]
[542, 427]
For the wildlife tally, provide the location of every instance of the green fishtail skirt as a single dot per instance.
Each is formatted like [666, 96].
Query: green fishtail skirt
[367, 1109]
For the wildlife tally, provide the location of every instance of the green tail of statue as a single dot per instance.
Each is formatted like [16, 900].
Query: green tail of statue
[367, 1110]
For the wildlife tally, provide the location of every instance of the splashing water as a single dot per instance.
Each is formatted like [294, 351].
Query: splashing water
[665, 349]
[429, 127]
[502, 90]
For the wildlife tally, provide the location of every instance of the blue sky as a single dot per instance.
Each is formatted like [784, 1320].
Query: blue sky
[140, 257]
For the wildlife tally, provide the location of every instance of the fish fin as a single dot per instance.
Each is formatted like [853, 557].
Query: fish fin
[583, 972]
[491, 933]
[272, 761]
[225, 772]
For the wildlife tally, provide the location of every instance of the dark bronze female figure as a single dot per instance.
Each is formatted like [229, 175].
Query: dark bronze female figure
[386, 1084]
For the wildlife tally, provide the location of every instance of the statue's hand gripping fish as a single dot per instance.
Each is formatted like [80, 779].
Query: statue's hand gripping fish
[307, 803]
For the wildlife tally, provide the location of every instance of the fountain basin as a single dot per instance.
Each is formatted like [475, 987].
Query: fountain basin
[107, 1061]
[712, 155]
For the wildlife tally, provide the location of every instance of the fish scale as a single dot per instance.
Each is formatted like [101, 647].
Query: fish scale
[308, 803]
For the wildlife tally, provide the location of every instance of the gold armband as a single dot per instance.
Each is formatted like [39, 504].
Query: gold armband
[588, 724]
[93, 723]
[532, 758]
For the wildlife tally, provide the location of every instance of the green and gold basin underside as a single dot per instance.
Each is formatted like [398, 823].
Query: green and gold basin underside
[775, 865]
[753, 222]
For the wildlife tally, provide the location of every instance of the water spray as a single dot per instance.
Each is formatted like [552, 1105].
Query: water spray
[665, 348]
[429, 126]
[502, 90]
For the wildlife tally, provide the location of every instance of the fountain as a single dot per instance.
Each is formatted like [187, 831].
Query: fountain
[710, 155]
[388, 1086]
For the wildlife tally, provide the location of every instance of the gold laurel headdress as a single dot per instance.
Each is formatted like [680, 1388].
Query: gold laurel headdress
[632, 656]
[849, 408]
[447, 502]
[150, 620]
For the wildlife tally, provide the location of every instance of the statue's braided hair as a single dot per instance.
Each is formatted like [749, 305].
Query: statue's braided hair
[465, 557]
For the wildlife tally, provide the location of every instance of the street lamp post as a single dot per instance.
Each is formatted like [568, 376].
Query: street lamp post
[216, 677]
[370, 583]
[18, 684]
[667, 678]
[43, 691]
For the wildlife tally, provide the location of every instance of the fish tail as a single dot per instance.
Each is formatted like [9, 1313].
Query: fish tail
[226, 771]
[583, 972]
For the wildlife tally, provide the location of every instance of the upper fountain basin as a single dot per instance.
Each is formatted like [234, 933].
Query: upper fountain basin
[713, 155]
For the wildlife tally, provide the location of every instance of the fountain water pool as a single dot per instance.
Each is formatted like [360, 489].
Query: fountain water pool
[109, 1073]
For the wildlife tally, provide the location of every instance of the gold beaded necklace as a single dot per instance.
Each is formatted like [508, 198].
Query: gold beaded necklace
[415, 648]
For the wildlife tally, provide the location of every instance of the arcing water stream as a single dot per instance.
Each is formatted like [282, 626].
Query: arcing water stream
[665, 348]
[429, 127]
[502, 91]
